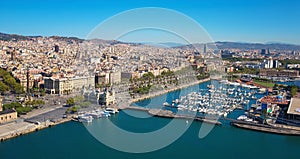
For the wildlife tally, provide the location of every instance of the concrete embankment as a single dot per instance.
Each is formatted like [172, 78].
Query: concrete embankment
[267, 128]
[17, 129]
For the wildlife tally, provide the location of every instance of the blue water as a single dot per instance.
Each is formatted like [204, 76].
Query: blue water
[72, 140]
[290, 83]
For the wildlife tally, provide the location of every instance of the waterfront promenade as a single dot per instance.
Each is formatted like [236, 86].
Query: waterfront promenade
[15, 129]
[33, 121]
[12, 129]
[154, 94]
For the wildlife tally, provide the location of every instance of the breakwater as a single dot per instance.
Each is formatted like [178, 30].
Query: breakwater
[169, 114]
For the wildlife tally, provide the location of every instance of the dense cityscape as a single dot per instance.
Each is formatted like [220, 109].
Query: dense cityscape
[46, 79]
[149, 79]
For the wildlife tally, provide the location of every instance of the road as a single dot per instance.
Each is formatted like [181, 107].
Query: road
[53, 116]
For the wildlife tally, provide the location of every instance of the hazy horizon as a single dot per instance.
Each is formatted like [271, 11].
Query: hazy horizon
[251, 21]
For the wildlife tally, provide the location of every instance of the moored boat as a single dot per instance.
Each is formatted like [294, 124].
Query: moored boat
[85, 118]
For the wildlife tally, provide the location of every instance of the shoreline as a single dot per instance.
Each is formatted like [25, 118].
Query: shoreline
[30, 128]
[267, 129]
[168, 90]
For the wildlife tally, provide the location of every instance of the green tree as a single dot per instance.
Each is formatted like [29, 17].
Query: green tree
[147, 76]
[73, 109]
[70, 101]
[18, 107]
[34, 103]
[3, 87]
[23, 110]
[294, 90]
[78, 99]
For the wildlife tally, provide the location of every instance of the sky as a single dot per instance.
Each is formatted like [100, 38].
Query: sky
[260, 21]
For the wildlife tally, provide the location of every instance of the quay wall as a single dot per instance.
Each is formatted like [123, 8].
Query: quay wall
[32, 128]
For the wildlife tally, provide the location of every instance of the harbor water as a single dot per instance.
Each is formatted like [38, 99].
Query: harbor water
[73, 140]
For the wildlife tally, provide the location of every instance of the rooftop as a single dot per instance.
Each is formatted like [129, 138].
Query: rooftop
[8, 111]
[294, 107]
[273, 100]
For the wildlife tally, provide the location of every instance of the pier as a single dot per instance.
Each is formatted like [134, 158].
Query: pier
[170, 114]
[134, 108]
[234, 122]
[266, 128]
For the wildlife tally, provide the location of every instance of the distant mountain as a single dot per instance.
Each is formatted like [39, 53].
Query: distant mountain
[111, 42]
[162, 45]
[245, 46]
[68, 39]
[8, 37]
[172, 44]
[238, 45]
[220, 45]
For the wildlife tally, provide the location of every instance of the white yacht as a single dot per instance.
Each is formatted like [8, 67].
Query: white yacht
[166, 104]
[111, 110]
[85, 118]
[104, 114]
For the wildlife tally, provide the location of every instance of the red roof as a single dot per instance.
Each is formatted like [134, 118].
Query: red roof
[273, 100]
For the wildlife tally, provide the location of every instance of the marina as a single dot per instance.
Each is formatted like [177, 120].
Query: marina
[156, 107]
[76, 142]
[217, 101]
[210, 104]
[150, 79]
[214, 102]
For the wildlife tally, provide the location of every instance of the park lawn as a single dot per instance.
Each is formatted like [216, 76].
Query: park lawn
[266, 84]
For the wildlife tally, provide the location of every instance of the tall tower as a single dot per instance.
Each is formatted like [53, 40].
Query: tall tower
[13, 55]
[27, 80]
[275, 64]
[56, 48]
[270, 63]
[204, 48]
[1, 98]
[268, 51]
[263, 51]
